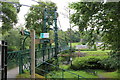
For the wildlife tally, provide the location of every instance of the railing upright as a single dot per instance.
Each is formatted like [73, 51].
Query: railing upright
[4, 61]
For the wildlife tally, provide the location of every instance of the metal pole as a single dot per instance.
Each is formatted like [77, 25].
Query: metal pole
[2, 61]
[32, 34]
[24, 42]
[44, 30]
[20, 64]
[5, 61]
[56, 35]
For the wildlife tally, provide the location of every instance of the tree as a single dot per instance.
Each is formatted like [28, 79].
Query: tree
[13, 39]
[35, 17]
[104, 18]
[8, 13]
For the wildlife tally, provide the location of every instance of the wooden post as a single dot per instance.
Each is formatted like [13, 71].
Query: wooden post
[32, 35]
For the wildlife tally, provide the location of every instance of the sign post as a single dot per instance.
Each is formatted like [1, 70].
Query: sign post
[32, 35]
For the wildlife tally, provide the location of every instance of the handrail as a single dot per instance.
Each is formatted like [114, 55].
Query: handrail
[64, 70]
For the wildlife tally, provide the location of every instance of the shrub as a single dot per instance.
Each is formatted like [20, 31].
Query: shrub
[107, 64]
[88, 62]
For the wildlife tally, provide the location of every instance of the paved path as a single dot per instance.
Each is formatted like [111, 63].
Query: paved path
[10, 73]
[13, 72]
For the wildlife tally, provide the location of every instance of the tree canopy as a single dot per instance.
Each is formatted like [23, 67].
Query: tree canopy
[8, 15]
[103, 17]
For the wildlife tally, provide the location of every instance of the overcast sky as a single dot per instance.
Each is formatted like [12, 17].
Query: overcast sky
[61, 4]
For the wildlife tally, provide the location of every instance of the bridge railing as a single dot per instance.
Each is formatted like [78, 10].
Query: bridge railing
[22, 58]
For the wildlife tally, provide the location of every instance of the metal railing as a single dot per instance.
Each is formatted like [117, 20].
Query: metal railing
[54, 75]
[22, 58]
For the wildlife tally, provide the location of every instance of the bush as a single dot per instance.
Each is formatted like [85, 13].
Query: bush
[12, 48]
[88, 62]
[61, 59]
[107, 64]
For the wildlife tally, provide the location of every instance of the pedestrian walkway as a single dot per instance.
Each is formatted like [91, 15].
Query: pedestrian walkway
[13, 72]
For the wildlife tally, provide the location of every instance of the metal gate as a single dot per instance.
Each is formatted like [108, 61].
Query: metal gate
[3, 60]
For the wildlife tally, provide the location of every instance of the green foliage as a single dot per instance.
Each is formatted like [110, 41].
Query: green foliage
[89, 62]
[35, 17]
[61, 59]
[100, 18]
[8, 16]
[13, 38]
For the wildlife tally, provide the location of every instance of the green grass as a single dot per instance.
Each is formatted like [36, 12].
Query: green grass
[108, 74]
[74, 74]
[64, 66]
[97, 53]
[71, 74]
[77, 43]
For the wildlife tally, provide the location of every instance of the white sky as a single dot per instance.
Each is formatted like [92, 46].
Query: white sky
[61, 4]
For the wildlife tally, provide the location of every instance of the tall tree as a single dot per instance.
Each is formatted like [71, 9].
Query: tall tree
[8, 15]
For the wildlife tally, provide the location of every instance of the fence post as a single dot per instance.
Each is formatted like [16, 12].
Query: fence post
[5, 61]
[2, 60]
[43, 55]
[52, 52]
[48, 54]
[20, 64]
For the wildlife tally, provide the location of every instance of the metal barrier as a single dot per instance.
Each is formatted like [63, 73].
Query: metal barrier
[62, 75]
[3, 62]
[22, 58]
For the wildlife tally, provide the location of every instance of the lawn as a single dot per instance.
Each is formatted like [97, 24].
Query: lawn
[77, 43]
[71, 74]
[104, 74]
[83, 74]
[96, 53]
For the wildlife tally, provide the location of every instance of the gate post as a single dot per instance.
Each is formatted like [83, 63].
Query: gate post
[20, 64]
[4, 61]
